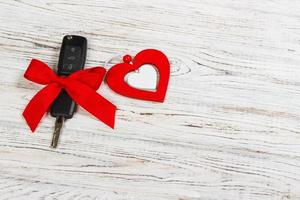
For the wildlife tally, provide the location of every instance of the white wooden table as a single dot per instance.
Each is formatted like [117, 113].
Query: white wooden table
[229, 128]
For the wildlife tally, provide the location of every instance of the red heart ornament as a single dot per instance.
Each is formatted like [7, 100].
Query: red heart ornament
[115, 77]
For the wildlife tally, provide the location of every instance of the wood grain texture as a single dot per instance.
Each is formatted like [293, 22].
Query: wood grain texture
[229, 128]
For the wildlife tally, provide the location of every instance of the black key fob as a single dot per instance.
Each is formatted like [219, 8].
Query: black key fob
[71, 59]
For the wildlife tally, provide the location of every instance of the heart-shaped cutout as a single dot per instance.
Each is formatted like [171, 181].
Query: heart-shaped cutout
[116, 76]
[144, 78]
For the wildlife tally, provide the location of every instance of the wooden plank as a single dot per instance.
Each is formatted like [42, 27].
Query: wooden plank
[229, 128]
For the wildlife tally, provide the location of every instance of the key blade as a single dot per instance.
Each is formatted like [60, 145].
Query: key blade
[57, 130]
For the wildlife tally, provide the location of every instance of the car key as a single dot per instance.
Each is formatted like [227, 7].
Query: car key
[71, 59]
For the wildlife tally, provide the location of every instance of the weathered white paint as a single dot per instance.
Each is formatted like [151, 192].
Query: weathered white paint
[145, 77]
[229, 128]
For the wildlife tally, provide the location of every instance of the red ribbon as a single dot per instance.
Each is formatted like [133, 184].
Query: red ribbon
[81, 86]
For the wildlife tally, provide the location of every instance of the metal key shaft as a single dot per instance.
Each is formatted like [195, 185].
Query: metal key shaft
[57, 130]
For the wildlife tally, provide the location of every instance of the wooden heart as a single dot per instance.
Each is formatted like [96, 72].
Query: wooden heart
[115, 77]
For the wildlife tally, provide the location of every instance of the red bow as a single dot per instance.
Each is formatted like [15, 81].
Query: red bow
[81, 86]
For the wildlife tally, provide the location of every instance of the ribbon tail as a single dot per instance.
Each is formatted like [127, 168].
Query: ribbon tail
[91, 101]
[40, 104]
